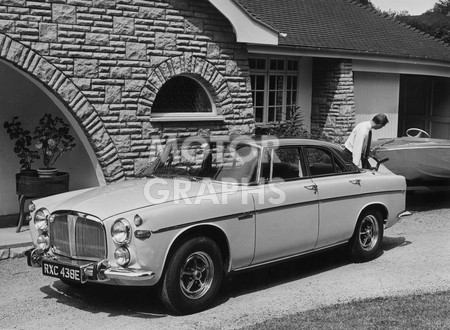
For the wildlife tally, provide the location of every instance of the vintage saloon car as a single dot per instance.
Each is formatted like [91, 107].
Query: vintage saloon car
[211, 207]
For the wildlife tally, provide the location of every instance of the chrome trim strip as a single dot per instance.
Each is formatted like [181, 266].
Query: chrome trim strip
[78, 214]
[428, 146]
[217, 219]
[360, 195]
[280, 207]
[270, 209]
[308, 252]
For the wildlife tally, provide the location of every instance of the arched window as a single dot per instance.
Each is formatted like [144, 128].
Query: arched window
[182, 94]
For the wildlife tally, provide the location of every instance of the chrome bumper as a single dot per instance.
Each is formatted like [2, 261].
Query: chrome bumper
[404, 214]
[91, 271]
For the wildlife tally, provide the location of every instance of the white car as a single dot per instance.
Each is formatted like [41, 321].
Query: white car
[212, 207]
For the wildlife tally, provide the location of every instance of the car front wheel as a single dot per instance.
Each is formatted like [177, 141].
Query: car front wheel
[193, 276]
[366, 241]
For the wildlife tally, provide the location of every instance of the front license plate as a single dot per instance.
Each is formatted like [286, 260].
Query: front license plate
[67, 272]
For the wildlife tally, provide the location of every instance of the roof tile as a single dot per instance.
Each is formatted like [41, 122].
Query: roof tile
[344, 25]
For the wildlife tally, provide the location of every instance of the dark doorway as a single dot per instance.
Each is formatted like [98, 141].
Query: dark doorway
[425, 104]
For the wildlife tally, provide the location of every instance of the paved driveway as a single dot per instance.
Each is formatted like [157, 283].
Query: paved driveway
[416, 259]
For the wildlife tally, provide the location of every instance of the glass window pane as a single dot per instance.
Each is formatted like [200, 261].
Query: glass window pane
[320, 161]
[286, 164]
[260, 82]
[259, 114]
[276, 64]
[259, 99]
[292, 65]
[261, 64]
[257, 63]
[279, 114]
[252, 63]
[271, 98]
[271, 114]
[181, 94]
[272, 82]
[273, 64]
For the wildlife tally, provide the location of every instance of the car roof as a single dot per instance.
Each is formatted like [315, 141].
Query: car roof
[264, 140]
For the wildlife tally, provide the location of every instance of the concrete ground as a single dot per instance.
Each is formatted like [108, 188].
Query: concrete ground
[13, 244]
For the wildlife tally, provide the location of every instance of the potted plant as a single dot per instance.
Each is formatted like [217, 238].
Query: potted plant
[52, 140]
[22, 143]
[292, 126]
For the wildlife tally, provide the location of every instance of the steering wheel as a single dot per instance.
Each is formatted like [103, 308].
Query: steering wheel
[419, 132]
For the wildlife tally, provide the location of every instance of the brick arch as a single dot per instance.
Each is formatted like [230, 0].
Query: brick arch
[201, 69]
[79, 107]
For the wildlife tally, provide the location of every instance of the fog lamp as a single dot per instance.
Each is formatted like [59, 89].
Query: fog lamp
[43, 242]
[122, 256]
[121, 231]
[41, 219]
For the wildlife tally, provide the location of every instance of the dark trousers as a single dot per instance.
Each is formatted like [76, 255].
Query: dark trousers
[348, 155]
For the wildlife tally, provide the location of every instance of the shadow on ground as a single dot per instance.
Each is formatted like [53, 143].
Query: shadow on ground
[142, 302]
[139, 302]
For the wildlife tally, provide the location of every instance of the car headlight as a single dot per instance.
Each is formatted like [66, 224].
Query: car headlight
[41, 219]
[121, 231]
[122, 256]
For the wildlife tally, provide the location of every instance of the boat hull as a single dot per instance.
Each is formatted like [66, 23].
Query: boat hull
[422, 161]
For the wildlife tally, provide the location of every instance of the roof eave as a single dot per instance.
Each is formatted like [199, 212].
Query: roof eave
[345, 53]
[247, 28]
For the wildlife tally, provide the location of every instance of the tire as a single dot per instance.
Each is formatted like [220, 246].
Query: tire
[193, 276]
[366, 242]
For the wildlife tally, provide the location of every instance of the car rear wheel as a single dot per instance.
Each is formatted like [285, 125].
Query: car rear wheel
[366, 241]
[193, 276]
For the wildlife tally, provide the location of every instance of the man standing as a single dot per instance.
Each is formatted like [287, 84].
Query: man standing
[357, 146]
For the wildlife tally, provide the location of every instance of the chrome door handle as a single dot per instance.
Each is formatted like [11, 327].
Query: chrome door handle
[246, 215]
[312, 187]
[357, 181]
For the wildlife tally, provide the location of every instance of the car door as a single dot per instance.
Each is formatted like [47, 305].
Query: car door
[286, 207]
[339, 194]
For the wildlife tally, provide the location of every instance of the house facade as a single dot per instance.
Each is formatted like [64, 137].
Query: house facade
[129, 74]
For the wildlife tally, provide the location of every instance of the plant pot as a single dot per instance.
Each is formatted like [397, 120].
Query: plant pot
[47, 172]
[36, 187]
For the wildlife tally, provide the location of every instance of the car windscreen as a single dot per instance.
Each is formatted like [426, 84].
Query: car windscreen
[203, 159]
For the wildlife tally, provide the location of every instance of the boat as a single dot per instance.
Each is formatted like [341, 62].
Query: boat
[423, 161]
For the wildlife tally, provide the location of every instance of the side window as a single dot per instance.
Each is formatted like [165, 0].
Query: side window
[281, 164]
[322, 162]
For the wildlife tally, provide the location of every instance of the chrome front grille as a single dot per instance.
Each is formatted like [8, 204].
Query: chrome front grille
[77, 236]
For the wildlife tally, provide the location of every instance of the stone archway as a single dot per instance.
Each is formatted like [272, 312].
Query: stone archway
[35, 65]
[203, 70]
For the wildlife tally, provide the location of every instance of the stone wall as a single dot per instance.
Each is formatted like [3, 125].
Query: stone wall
[333, 100]
[107, 59]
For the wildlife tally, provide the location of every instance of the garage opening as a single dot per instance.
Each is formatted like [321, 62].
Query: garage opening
[425, 104]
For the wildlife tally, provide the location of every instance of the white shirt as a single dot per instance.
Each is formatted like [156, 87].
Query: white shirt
[357, 141]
